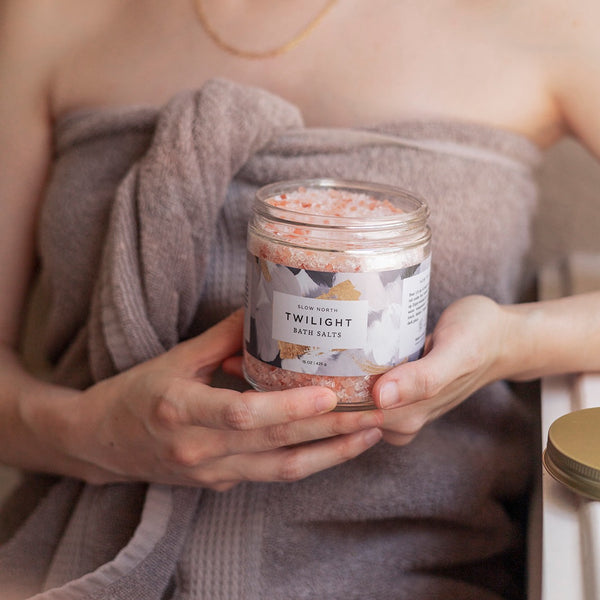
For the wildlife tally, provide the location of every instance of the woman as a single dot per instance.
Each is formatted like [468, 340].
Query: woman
[99, 99]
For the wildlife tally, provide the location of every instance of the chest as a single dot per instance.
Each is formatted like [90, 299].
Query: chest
[365, 63]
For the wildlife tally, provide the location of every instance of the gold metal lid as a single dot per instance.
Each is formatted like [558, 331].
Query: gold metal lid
[572, 454]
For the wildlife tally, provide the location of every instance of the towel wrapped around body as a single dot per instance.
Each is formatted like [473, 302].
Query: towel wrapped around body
[142, 242]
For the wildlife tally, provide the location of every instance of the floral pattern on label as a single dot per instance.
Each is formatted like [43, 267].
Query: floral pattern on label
[329, 323]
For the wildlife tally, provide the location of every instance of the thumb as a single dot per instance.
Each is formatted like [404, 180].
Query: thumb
[202, 354]
[421, 379]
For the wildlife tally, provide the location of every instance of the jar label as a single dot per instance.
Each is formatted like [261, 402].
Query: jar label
[330, 323]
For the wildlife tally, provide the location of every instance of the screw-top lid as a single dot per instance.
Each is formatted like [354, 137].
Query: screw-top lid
[572, 453]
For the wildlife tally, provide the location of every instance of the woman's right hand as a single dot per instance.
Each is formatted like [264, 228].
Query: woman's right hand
[162, 422]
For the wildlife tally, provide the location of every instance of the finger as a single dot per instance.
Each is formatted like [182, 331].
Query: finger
[421, 379]
[402, 424]
[233, 366]
[194, 403]
[407, 383]
[298, 432]
[207, 350]
[293, 464]
[398, 439]
[190, 448]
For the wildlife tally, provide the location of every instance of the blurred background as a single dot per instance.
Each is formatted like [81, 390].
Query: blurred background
[569, 215]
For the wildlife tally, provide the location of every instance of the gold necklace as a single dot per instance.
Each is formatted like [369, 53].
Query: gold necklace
[221, 43]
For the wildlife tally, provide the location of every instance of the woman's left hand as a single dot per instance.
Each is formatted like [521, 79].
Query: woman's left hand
[466, 351]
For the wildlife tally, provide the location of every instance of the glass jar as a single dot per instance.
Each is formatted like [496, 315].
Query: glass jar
[337, 286]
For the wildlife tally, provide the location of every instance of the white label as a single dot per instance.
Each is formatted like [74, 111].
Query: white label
[414, 311]
[328, 324]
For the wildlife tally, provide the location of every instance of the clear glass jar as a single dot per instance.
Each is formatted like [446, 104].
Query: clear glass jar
[337, 285]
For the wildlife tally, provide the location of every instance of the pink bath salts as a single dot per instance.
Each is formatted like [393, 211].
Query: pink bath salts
[334, 203]
[290, 244]
[350, 391]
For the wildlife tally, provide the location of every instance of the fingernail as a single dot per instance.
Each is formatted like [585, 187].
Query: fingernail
[372, 436]
[388, 396]
[325, 403]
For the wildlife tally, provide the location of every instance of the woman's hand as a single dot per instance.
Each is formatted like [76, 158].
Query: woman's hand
[161, 421]
[466, 351]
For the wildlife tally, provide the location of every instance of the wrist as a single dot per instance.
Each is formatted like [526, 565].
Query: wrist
[517, 347]
[47, 418]
[545, 338]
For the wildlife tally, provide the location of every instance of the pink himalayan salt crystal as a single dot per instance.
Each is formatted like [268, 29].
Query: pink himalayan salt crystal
[334, 203]
[352, 391]
[312, 205]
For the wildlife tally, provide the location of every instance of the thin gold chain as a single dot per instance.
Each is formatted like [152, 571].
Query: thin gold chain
[283, 48]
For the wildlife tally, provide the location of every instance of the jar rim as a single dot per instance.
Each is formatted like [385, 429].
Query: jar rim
[407, 218]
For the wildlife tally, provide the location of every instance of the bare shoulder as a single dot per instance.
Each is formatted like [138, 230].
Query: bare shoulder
[557, 31]
[570, 44]
[559, 41]
[52, 22]
[551, 17]
[576, 26]
[34, 34]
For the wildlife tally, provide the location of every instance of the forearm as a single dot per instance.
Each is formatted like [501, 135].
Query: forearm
[552, 337]
[36, 420]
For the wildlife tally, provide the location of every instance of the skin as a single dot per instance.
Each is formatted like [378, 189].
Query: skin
[531, 67]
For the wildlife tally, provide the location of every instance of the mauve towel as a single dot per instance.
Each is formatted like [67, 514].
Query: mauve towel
[142, 241]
